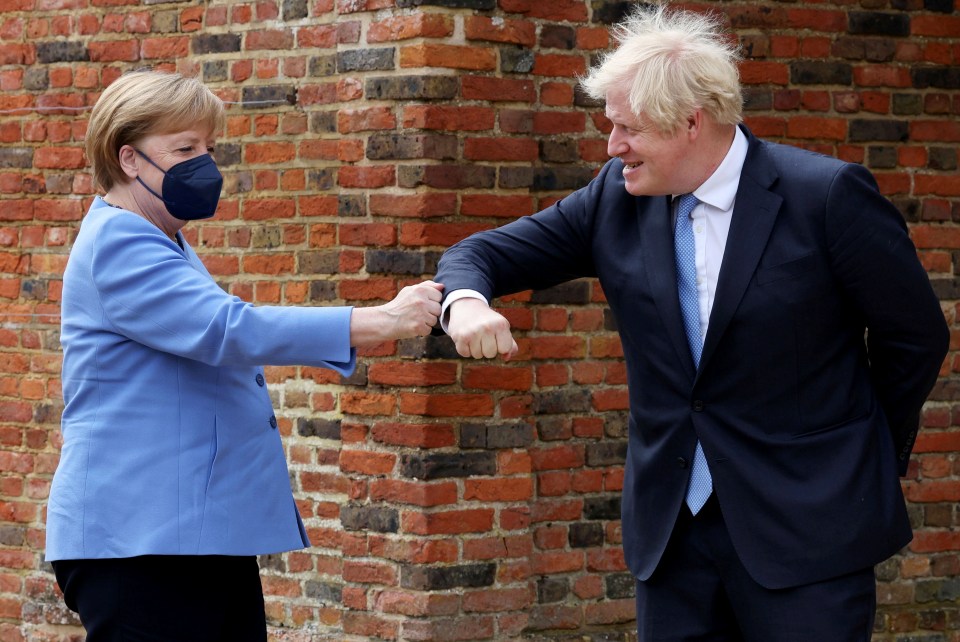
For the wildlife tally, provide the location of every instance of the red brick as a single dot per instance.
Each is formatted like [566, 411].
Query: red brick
[416, 604]
[882, 76]
[557, 457]
[448, 522]
[497, 600]
[442, 234]
[605, 400]
[269, 153]
[114, 51]
[369, 573]
[447, 118]
[422, 205]
[935, 26]
[420, 25]
[368, 403]
[322, 94]
[497, 378]
[757, 72]
[414, 435]
[446, 405]
[368, 289]
[450, 56]
[506, 206]
[369, 177]
[497, 89]
[552, 562]
[164, 48]
[511, 489]
[351, 120]
[268, 208]
[557, 122]
[814, 127]
[934, 131]
[558, 10]
[501, 149]
[518, 32]
[935, 541]
[417, 493]
[490, 548]
[367, 463]
[372, 234]
[365, 624]
[317, 36]
[280, 39]
[566, 65]
[611, 612]
[417, 551]
[58, 158]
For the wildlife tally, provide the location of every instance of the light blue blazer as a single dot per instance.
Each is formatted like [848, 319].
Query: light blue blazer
[170, 441]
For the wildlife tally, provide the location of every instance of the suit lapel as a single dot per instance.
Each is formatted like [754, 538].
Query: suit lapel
[754, 214]
[656, 239]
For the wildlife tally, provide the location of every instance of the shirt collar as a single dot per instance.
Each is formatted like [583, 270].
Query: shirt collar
[720, 189]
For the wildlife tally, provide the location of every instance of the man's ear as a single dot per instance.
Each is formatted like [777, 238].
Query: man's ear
[129, 161]
[694, 124]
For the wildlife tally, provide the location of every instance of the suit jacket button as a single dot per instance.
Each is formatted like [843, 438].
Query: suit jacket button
[273, 422]
[697, 405]
[681, 462]
[259, 379]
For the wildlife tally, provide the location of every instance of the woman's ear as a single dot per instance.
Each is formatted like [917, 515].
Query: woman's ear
[128, 161]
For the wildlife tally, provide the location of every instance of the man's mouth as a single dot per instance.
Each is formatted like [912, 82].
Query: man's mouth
[632, 165]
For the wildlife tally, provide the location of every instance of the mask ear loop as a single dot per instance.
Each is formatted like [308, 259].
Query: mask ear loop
[139, 180]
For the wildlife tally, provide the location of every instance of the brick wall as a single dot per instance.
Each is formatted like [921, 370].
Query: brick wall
[446, 499]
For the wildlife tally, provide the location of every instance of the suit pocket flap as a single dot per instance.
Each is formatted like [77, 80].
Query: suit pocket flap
[788, 269]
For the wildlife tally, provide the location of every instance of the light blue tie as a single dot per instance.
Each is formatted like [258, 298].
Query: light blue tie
[701, 484]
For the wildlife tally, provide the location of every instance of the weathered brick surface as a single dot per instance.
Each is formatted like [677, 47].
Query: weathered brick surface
[446, 499]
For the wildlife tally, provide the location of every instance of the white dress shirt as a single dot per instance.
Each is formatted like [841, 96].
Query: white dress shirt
[711, 224]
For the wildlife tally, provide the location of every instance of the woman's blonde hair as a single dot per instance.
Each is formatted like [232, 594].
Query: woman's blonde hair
[141, 103]
[671, 62]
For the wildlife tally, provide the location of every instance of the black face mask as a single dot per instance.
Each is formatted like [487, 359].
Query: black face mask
[191, 189]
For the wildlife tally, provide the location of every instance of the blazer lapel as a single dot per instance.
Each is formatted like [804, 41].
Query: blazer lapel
[656, 239]
[754, 214]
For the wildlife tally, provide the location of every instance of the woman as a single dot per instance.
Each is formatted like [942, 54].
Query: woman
[172, 477]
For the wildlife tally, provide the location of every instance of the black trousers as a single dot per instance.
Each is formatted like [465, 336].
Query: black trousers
[701, 591]
[166, 598]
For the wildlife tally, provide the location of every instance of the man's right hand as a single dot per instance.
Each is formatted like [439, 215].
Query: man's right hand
[478, 331]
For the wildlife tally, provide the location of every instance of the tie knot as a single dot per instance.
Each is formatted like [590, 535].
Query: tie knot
[685, 204]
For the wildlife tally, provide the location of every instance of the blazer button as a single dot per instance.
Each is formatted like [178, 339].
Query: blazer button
[273, 422]
[681, 462]
[259, 379]
[697, 405]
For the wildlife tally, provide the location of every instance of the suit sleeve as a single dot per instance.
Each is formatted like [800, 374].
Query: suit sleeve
[534, 252]
[151, 294]
[877, 264]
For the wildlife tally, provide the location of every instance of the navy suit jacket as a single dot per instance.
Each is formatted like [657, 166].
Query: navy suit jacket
[824, 340]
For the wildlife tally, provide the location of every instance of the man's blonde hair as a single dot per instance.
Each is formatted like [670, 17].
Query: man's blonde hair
[670, 63]
[142, 103]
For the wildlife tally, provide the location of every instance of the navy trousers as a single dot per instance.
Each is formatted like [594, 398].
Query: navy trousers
[701, 592]
[166, 598]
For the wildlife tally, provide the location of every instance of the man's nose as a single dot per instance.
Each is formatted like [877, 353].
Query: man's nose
[616, 143]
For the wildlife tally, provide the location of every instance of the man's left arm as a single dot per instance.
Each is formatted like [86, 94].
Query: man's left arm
[907, 336]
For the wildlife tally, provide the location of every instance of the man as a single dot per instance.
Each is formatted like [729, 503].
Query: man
[778, 355]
